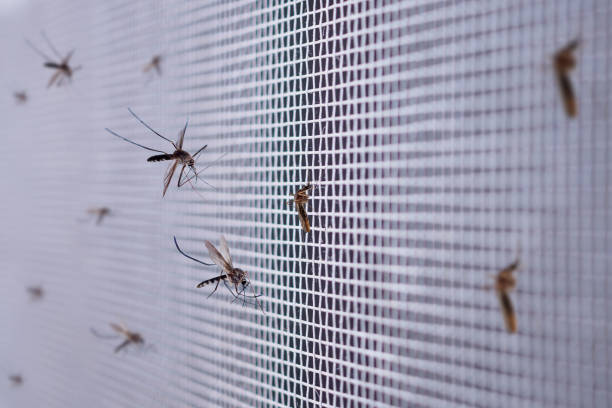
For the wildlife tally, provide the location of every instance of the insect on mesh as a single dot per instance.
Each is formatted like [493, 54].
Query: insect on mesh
[435, 137]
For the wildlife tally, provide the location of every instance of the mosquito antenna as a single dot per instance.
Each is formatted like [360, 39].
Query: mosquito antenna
[44, 35]
[187, 256]
[134, 143]
[150, 128]
[39, 52]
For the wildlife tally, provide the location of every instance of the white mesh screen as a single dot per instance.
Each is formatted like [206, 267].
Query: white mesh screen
[436, 138]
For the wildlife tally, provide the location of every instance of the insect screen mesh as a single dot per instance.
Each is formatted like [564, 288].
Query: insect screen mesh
[437, 143]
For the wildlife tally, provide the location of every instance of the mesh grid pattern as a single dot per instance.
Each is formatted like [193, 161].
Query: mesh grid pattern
[435, 137]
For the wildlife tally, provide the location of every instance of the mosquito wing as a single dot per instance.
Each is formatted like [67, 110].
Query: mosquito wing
[507, 311]
[168, 176]
[181, 137]
[118, 328]
[225, 251]
[218, 258]
[301, 209]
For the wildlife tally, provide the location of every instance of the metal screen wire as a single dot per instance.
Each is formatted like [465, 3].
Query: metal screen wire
[439, 148]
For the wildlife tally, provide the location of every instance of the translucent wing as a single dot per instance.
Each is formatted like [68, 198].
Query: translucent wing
[225, 251]
[301, 209]
[218, 258]
[507, 311]
[567, 94]
[118, 328]
[181, 137]
[168, 176]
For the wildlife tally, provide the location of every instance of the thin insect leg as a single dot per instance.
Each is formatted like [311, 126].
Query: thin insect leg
[39, 52]
[199, 151]
[187, 256]
[181, 175]
[216, 286]
[216, 160]
[150, 128]
[103, 336]
[257, 300]
[44, 35]
[134, 143]
[194, 189]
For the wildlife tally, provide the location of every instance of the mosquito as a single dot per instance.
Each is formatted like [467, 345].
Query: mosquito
[504, 283]
[564, 62]
[21, 97]
[300, 198]
[62, 67]
[99, 212]
[234, 276]
[16, 380]
[130, 336]
[154, 64]
[179, 157]
[36, 292]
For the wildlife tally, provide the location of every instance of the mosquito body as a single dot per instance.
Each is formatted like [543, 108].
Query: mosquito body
[63, 70]
[235, 277]
[179, 157]
[564, 62]
[16, 380]
[504, 283]
[100, 213]
[154, 64]
[300, 199]
[130, 336]
[36, 292]
[20, 97]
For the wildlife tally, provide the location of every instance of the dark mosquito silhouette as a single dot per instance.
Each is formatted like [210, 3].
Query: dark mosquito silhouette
[21, 97]
[564, 62]
[36, 292]
[99, 212]
[300, 198]
[234, 276]
[16, 380]
[63, 70]
[130, 336]
[178, 157]
[155, 63]
[504, 283]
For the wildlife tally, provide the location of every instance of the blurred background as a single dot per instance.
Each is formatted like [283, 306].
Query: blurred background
[435, 135]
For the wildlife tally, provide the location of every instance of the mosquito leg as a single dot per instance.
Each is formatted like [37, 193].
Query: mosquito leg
[214, 290]
[44, 35]
[180, 176]
[150, 128]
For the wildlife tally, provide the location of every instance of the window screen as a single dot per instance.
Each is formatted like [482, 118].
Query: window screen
[436, 140]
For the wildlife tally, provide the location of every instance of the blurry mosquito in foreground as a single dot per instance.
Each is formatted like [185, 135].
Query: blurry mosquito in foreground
[154, 64]
[16, 380]
[21, 97]
[300, 198]
[61, 66]
[99, 212]
[504, 283]
[36, 292]
[235, 276]
[130, 336]
[178, 157]
[564, 62]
